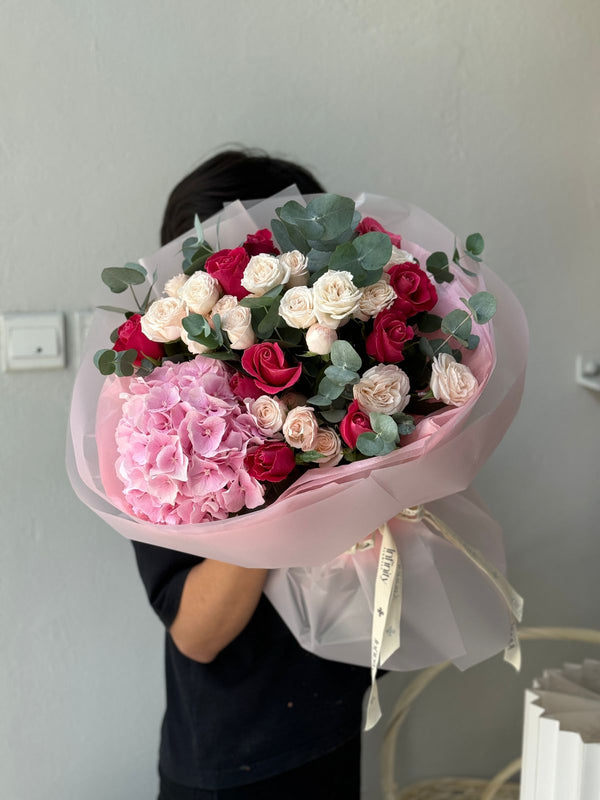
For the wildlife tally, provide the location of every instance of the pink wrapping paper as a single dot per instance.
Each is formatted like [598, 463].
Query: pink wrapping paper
[325, 511]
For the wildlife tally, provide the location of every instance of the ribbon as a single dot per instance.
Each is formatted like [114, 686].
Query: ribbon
[387, 608]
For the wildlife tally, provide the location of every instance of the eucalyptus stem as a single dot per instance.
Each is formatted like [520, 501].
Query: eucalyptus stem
[135, 298]
[447, 339]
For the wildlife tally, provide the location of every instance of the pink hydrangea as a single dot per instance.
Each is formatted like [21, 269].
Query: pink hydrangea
[182, 440]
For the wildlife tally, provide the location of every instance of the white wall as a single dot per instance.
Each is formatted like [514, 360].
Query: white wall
[484, 112]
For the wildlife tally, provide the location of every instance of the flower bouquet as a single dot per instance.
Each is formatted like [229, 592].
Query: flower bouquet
[317, 370]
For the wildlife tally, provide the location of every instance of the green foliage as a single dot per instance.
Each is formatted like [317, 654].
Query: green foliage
[119, 278]
[457, 324]
[472, 341]
[308, 457]
[384, 426]
[371, 444]
[269, 322]
[334, 415]
[364, 257]
[199, 330]
[405, 423]
[344, 355]
[119, 363]
[341, 375]
[428, 323]
[474, 246]
[326, 216]
[483, 305]
[438, 265]
[104, 360]
[433, 347]
[319, 400]
[114, 309]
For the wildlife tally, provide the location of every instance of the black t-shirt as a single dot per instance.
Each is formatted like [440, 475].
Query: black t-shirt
[262, 707]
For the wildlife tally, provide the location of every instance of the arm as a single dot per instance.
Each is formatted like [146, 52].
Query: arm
[204, 604]
[216, 604]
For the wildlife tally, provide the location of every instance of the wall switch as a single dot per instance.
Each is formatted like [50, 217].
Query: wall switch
[33, 341]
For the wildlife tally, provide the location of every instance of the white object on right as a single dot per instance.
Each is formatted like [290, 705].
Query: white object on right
[587, 370]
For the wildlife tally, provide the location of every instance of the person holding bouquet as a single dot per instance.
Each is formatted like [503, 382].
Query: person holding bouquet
[250, 714]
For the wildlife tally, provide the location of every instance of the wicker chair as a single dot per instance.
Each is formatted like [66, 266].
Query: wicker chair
[459, 788]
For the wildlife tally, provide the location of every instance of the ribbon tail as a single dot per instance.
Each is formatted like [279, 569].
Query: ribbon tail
[388, 594]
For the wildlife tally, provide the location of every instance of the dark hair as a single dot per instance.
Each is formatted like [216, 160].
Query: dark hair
[230, 175]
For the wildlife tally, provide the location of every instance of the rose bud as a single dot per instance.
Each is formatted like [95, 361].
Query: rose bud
[319, 339]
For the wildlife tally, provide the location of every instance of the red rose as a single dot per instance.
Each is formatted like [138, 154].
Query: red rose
[260, 242]
[266, 362]
[414, 289]
[388, 337]
[272, 461]
[368, 225]
[132, 338]
[242, 386]
[354, 423]
[228, 266]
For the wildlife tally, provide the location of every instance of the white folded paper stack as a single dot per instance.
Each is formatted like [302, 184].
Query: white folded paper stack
[561, 735]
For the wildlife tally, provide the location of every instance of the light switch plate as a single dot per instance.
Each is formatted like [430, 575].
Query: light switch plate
[32, 341]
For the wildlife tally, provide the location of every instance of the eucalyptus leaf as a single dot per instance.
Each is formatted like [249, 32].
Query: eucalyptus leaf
[374, 250]
[344, 355]
[218, 331]
[341, 375]
[457, 324]
[437, 264]
[327, 388]
[196, 325]
[288, 236]
[472, 342]
[384, 426]
[114, 335]
[334, 415]
[429, 323]
[198, 228]
[319, 400]
[308, 457]
[269, 323]
[115, 309]
[370, 444]
[483, 305]
[221, 355]
[433, 347]
[318, 259]
[105, 361]
[475, 244]
[257, 302]
[405, 423]
[118, 279]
